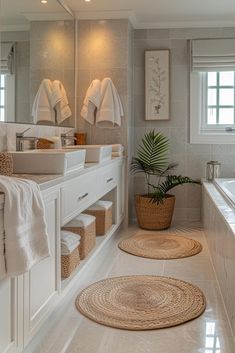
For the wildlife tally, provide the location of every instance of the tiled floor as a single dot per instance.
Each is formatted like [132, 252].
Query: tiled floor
[70, 332]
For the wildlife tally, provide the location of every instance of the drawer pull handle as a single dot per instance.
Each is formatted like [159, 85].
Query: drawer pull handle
[82, 197]
[109, 180]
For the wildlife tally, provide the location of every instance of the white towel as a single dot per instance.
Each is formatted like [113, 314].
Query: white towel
[26, 240]
[91, 102]
[60, 102]
[69, 242]
[110, 110]
[42, 110]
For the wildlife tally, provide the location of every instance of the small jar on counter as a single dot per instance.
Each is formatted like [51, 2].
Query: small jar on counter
[213, 170]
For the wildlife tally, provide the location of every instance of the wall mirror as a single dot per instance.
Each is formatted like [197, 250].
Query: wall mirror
[37, 62]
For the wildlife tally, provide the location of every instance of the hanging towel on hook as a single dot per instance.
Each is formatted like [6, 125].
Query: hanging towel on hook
[110, 110]
[91, 102]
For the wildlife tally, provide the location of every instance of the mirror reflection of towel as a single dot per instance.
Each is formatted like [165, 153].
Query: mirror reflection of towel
[51, 103]
[42, 110]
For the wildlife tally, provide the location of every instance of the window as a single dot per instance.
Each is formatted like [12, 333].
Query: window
[220, 112]
[2, 97]
[212, 91]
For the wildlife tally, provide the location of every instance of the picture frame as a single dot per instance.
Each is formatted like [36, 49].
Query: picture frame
[157, 84]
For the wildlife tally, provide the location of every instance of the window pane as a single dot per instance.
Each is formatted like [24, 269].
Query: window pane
[212, 78]
[211, 116]
[2, 114]
[2, 97]
[2, 82]
[226, 96]
[226, 78]
[212, 96]
[226, 116]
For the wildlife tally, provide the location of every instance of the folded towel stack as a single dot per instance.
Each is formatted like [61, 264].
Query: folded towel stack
[69, 242]
[117, 150]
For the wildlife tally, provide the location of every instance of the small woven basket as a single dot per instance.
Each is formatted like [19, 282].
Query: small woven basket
[88, 238]
[154, 216]
[69, 263]
[104, 219]
[6, 164]
[44, 144]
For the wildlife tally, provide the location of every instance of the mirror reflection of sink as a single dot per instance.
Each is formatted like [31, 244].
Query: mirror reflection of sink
[48, 161]
[94, 153]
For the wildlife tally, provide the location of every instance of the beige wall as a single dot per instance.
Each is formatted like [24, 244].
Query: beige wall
[192, 158]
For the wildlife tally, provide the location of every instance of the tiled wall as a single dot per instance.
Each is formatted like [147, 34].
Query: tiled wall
[104, 50]
[192, 158]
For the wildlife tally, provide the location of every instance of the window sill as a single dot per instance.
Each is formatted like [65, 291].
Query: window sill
[212, 138]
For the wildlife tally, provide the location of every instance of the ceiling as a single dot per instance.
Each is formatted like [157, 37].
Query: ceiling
[15, 14]
[159, 13]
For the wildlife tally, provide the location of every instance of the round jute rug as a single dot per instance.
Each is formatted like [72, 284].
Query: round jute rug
[161, 246]
[141, 302]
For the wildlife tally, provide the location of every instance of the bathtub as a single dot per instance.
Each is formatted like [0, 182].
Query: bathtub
[218, 215]
[227, 188]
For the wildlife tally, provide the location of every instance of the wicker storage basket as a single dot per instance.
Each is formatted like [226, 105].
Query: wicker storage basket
[87, 233]
[69, 263]
[6, 164]
[154, 216]
[102, 210]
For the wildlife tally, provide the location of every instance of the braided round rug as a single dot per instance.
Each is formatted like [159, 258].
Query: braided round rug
[141, 302]
[161, 246]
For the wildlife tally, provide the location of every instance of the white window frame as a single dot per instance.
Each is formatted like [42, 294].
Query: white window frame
[3, 89]
[201, 133]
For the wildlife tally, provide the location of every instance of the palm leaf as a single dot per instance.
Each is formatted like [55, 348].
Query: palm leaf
[170, 182]
[151, 154]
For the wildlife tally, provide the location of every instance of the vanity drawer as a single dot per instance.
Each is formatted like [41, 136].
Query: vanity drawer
[77, 195]
[108, 178]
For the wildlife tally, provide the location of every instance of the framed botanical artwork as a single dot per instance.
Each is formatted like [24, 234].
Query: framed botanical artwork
[157, 84]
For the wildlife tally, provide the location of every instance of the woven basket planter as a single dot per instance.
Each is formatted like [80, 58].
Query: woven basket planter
[154, 216]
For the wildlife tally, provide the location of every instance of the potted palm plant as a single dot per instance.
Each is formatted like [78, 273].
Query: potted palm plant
[155, 209]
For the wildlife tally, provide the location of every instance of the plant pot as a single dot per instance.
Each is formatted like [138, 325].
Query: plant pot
[153, 216]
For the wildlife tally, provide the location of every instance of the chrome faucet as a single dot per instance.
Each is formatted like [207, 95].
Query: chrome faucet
[65, 137]
[20, 138]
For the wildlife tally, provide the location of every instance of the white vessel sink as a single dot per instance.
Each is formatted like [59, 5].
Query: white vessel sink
[48, 161]
[95, 153]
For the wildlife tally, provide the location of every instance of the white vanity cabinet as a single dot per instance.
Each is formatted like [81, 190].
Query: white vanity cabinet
[42, 283]
[11, 319]
[11, 307]
[27, 301]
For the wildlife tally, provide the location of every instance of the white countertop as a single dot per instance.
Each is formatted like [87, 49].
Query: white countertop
[47, 181]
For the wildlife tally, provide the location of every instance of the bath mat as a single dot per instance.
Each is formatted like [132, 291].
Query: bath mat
[141, 302]
[161, 246]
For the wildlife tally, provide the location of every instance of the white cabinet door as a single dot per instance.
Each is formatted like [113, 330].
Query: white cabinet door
[41, 284]
[11, 318]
